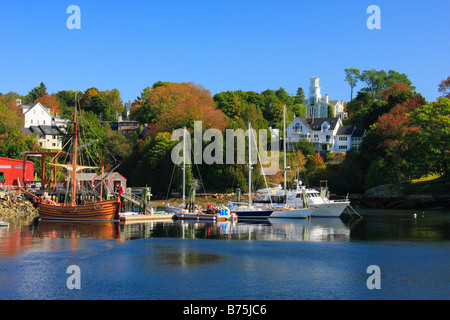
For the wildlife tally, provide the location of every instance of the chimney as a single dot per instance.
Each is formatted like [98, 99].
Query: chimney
[326, 98]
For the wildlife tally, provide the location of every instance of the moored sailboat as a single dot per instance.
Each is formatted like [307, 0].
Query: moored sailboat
[181, 208]
[249, 211]
[287, 211]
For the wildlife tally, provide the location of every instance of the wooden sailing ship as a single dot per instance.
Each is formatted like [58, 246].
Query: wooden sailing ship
[99, 210]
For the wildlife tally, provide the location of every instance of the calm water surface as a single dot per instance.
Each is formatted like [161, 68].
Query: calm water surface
[283, 259]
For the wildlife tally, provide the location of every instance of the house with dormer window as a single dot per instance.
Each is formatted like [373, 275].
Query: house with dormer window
[48, 137]
[47, 127]
[326, 134]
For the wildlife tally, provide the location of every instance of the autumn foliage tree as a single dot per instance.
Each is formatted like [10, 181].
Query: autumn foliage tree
[315, 167]
[391, 129]
[176, 105]
[444, 87]
[50, 102]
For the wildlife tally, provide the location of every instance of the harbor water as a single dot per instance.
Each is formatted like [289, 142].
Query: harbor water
[273, 259]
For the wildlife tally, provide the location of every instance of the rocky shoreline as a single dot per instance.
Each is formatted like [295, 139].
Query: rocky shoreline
[392, 197]
[15, 207]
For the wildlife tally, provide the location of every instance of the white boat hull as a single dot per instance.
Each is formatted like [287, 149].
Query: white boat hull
[330, 209]
[291, 213]
[173, 209]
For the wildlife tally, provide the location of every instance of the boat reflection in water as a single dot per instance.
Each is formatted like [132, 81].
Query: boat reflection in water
[316, 229]
[77, 229]
[41, 235]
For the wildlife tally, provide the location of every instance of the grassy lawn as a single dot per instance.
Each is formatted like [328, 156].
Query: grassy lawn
[433, 184]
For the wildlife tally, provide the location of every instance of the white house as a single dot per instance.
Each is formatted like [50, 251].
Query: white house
[48, 137]
[326, 134]
[317, 106]
[36, 114]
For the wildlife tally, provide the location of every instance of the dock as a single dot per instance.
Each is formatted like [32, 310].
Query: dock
[205, 216]
[146, 217]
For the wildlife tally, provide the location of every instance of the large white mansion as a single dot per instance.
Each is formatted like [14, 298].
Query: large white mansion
[325, 132]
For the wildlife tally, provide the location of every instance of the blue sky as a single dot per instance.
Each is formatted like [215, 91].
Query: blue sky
[223, 45]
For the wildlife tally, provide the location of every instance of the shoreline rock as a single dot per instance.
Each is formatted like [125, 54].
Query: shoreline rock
[392, 197]
[15, 207]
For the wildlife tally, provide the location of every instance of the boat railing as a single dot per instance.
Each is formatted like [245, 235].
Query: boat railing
[341, 200]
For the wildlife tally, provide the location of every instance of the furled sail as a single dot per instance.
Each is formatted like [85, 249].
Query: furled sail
[69, 167]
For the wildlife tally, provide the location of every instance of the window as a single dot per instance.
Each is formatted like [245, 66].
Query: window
[342, 138]
[297, 127]
[342, 147]
[31, 121]
[44, 121]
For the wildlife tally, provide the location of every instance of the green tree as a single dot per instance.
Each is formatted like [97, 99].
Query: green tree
[14, 142]
[305, 147]
[101, 106]
[117, 145]
[89, 93]
[396, 77]
[380, 80]
[431, 140]
[114, 97]
[361, 101]
[37, 92]
[377, 174]
[374, 80]
[66, 100]
[351, 76]
[299, 97]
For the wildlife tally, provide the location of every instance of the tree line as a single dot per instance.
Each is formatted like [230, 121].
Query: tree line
[407, 137]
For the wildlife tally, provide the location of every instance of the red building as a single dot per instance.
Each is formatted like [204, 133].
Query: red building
[11, 171]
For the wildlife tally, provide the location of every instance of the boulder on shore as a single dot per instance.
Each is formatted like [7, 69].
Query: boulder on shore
[14, 206]
[392, 197]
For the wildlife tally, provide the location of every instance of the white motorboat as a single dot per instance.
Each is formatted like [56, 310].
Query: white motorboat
[318, 201]
[4, 224]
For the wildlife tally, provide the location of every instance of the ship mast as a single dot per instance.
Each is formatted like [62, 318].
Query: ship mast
[74, 156]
